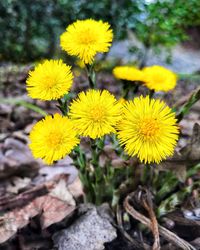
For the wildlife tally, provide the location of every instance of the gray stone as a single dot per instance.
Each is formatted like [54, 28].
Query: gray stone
[89, 232]
[184, 60]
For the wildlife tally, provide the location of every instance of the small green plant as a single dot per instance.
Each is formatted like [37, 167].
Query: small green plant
[106, 138]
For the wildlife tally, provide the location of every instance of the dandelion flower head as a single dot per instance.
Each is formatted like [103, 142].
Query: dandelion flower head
[148, 129]
[86, 38]
[95, 113]
[128, 73]
[49, 80]
[159, 78]
[53, 138]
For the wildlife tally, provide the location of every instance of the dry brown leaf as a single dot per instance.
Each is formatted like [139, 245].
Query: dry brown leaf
[178, 168]
[52, 208]
[61, 192]
[118, 163]
[76, 188]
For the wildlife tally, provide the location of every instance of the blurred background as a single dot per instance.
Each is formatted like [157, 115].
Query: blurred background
[30, 30]
[146, 32]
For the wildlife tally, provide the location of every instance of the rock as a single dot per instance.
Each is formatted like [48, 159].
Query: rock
[58, 169]
[28, 128]
[197, 212]
[181, 60]
[90, 231]
[6, 125]
[16, 158]
[181, 57]
[5, 109]
[196, 242]
[19, 135]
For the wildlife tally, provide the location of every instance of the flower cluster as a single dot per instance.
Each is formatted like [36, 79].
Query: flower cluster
[154, 77]
[145, 127]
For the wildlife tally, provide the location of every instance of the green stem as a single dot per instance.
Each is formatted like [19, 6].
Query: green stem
[186, 108]
[129, 87]
[63, 103]
[86, 177]
[148, 175]
[61, 106]
[91, 76]
[144, 177]
[96, 148]
[191, 77]
[91, 173]
[98, 175]
[151, 93]
[125, 93]
[136, 88]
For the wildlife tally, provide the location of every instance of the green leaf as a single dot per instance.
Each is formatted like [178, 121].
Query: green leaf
[186, 107]
[24, 104]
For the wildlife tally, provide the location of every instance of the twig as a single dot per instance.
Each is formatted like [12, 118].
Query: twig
[149, 207]
[120, 226]
[136, 244]
[168, 235]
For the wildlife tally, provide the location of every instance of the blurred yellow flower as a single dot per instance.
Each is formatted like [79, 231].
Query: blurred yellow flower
[80, 63]
[128, 73]
[122, 101]
[95, 113]
[49, 80]
[159, 78]
[148, 129]
[86, 38]
[53, 138]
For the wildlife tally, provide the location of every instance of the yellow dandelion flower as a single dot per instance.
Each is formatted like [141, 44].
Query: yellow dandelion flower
[53, 138]
[159, 78]
[86, 38]
[49, 80]
[128, 73]
[95, 113]
[148, 129]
